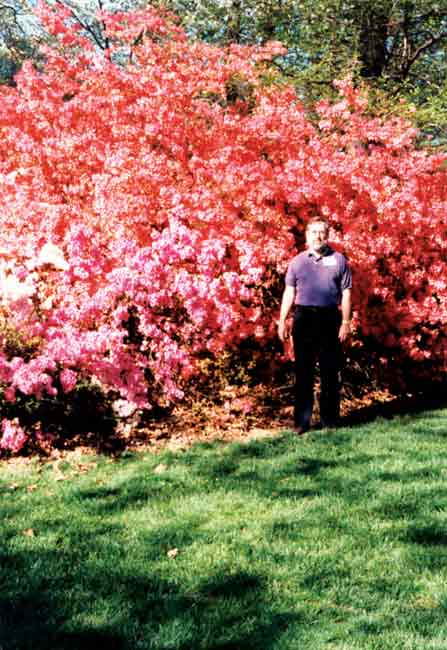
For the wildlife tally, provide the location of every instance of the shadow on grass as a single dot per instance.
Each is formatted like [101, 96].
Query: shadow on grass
[208, 468]
[86, 591]
[125, 610]
[431, 398]
[137, 491]
[283, 467]
[29, 622]
[427, 535]
[89, 585]
[428, 472]
[273, 468]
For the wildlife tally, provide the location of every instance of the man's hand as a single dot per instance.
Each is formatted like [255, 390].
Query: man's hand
[344, 331]
[288, 298]
[283, 330]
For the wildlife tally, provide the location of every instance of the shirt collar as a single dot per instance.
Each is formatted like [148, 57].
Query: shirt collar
[327, 251]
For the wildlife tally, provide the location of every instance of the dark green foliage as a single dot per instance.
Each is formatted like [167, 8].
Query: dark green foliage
[83, 415]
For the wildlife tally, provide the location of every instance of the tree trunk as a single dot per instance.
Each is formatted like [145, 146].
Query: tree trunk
[373, 42]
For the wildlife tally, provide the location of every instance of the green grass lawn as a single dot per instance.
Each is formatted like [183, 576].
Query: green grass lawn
[335, 540]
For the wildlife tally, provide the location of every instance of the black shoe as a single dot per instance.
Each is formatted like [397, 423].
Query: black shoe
[299, 430]
[329, 424]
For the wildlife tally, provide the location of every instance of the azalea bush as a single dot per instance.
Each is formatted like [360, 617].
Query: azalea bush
[151, 199]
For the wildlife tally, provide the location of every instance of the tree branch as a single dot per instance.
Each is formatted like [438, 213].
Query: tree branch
[15, 12]
[88, 28]
[106, 38]
[9, 8]
[427, 45]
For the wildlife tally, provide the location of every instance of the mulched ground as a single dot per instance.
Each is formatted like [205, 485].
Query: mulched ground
[238, 414]
[227, 421]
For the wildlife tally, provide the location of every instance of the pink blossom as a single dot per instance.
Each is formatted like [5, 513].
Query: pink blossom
[68, 379]
[13, 436]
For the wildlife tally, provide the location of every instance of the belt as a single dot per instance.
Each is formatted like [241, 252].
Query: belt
[312, 309]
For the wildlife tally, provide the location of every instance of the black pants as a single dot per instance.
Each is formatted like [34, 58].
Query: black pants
[315, 339]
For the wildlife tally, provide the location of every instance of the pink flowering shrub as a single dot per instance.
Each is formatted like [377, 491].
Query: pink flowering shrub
[13, 437]
[147, 212]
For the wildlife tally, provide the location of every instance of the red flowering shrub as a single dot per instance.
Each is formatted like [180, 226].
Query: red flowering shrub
[149, 198]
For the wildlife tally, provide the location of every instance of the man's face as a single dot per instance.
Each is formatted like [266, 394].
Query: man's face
[317, 236]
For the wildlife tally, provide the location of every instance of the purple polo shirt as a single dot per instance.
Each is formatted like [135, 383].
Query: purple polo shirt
[319, 281]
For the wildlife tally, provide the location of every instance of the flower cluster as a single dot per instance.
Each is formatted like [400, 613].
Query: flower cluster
[13, 437]
[149, 197]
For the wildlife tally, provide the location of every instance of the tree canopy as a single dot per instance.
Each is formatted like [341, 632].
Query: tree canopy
[397, 46]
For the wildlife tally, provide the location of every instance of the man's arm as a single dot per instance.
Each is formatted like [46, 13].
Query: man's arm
[288, 298]
[345, 327]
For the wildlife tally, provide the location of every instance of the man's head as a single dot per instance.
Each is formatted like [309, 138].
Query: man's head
[317, 234]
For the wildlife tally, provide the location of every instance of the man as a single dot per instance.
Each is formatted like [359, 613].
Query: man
[318, 282]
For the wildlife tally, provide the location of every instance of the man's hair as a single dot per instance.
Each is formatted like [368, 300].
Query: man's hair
[318, 220]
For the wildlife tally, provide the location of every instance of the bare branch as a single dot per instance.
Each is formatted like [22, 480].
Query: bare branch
[106, 38]
[15, 13]
[9, 8]
[423, 48]
[88, 28]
